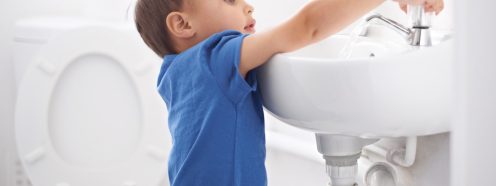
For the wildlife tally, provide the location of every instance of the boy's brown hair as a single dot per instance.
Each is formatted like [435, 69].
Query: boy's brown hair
[150, 16]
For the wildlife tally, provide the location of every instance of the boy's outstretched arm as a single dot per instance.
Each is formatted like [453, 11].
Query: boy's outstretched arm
[316, 21]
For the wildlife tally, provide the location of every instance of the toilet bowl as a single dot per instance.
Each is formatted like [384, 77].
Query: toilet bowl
[87, 111]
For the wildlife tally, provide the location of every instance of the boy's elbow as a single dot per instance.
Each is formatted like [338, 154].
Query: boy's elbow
[300, 31]
[313, 34]
[311, 25]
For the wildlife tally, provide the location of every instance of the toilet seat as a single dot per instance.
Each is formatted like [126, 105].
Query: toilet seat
[43, 137]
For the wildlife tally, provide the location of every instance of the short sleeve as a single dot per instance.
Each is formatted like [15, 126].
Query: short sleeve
[222, 53]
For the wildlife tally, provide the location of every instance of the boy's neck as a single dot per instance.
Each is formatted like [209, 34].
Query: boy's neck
[183, 44]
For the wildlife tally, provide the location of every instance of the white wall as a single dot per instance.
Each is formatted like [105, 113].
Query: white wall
[475, 120]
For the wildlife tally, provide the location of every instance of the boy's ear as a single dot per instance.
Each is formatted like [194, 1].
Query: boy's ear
[179, 25]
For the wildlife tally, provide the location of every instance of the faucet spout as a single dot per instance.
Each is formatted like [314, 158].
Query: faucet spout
[407, 32]
[418, 35]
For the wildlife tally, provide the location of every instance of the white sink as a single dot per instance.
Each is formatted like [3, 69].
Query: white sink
[401, 91]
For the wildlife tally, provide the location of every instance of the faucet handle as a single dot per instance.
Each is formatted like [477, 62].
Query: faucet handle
[418, 17]
[421, 22]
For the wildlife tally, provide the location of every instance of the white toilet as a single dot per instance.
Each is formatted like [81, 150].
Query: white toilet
[87, 111]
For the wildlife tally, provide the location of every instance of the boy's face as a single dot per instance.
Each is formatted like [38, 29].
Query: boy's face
[211, 16]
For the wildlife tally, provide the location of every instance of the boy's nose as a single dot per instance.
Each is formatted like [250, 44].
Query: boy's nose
[249, 9]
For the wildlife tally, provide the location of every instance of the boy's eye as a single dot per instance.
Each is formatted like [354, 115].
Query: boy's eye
[230, 1]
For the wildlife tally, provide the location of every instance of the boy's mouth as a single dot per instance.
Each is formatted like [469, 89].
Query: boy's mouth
[250, 27]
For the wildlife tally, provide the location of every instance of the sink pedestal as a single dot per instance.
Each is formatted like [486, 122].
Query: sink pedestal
[341, 154]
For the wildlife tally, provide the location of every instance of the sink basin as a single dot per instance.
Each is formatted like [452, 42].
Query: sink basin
[381, 88]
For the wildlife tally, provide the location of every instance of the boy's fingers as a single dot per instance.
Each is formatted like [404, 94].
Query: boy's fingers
[435, 6]
[439, 7]
[403, 6]
[429, 5]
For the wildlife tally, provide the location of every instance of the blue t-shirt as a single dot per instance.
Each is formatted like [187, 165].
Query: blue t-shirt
[215, 116]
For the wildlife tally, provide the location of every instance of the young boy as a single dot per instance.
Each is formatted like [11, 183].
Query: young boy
[206, 79]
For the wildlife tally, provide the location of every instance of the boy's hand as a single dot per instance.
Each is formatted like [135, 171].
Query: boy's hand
[429, 5]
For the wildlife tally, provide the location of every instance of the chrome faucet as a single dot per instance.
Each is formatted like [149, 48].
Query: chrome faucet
[419, 33]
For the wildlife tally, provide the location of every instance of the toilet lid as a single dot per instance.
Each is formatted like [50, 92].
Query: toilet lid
[88, 113]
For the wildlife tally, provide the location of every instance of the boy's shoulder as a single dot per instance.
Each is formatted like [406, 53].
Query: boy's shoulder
[212, 61]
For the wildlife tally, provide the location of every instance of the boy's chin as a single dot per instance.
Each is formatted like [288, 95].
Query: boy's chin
[249, 31]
